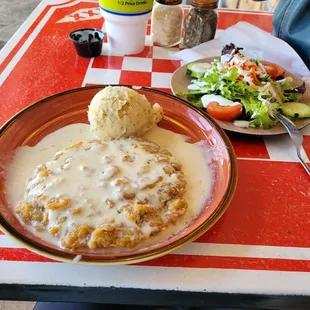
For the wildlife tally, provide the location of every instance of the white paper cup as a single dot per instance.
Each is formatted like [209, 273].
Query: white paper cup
[126, 34]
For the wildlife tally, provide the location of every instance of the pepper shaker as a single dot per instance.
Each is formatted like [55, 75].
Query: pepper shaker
[167, 18]
[200, 22]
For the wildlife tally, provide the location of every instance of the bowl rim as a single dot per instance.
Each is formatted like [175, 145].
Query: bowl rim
[8, 229]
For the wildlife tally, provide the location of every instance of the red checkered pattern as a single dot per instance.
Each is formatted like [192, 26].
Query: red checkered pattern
[153, 67]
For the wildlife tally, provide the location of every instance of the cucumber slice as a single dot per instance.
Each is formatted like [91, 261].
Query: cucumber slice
[296, 109]
[197, 69]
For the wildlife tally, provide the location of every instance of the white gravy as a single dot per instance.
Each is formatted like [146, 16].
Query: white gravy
[193, 157]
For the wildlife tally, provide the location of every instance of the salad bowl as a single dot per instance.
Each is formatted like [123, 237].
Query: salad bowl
[180, 81]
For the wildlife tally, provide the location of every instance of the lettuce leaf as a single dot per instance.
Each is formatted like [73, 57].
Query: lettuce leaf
[291, 93]
[292, 97]
[193, 97]
[230, 49]
[260, 116]
[196, 100]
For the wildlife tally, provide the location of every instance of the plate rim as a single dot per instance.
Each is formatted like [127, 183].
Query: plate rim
[240, 130]
[6, 227]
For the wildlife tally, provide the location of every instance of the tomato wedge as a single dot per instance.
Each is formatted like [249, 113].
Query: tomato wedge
[272, 69]
[224, 112]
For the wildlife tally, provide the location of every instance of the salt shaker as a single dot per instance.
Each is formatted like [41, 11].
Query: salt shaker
[200, 22]
[167, 18]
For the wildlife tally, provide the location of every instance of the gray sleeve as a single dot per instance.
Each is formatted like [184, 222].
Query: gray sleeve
[291, 22]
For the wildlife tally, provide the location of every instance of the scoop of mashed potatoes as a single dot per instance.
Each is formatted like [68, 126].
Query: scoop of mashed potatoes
[120, 112]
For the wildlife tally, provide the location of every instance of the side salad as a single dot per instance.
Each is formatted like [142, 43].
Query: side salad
[244, 90]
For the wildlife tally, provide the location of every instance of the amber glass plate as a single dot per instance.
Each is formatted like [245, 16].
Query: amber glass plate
[180, 81]
[33, 123]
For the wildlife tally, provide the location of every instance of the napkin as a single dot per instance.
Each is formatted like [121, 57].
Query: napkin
[256, 42]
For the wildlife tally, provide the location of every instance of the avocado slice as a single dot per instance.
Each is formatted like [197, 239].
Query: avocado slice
[296, 109]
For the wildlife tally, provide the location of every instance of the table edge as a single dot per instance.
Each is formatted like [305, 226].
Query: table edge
[133, 296]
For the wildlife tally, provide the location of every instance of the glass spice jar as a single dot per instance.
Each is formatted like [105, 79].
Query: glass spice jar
[200, 22]
[167, 18]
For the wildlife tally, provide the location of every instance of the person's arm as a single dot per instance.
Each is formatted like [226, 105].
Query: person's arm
[291, 22]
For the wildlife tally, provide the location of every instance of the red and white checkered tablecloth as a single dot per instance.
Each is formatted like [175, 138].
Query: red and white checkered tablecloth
[260, 245]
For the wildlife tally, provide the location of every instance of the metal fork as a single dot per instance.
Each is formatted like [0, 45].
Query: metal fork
[295, 135]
